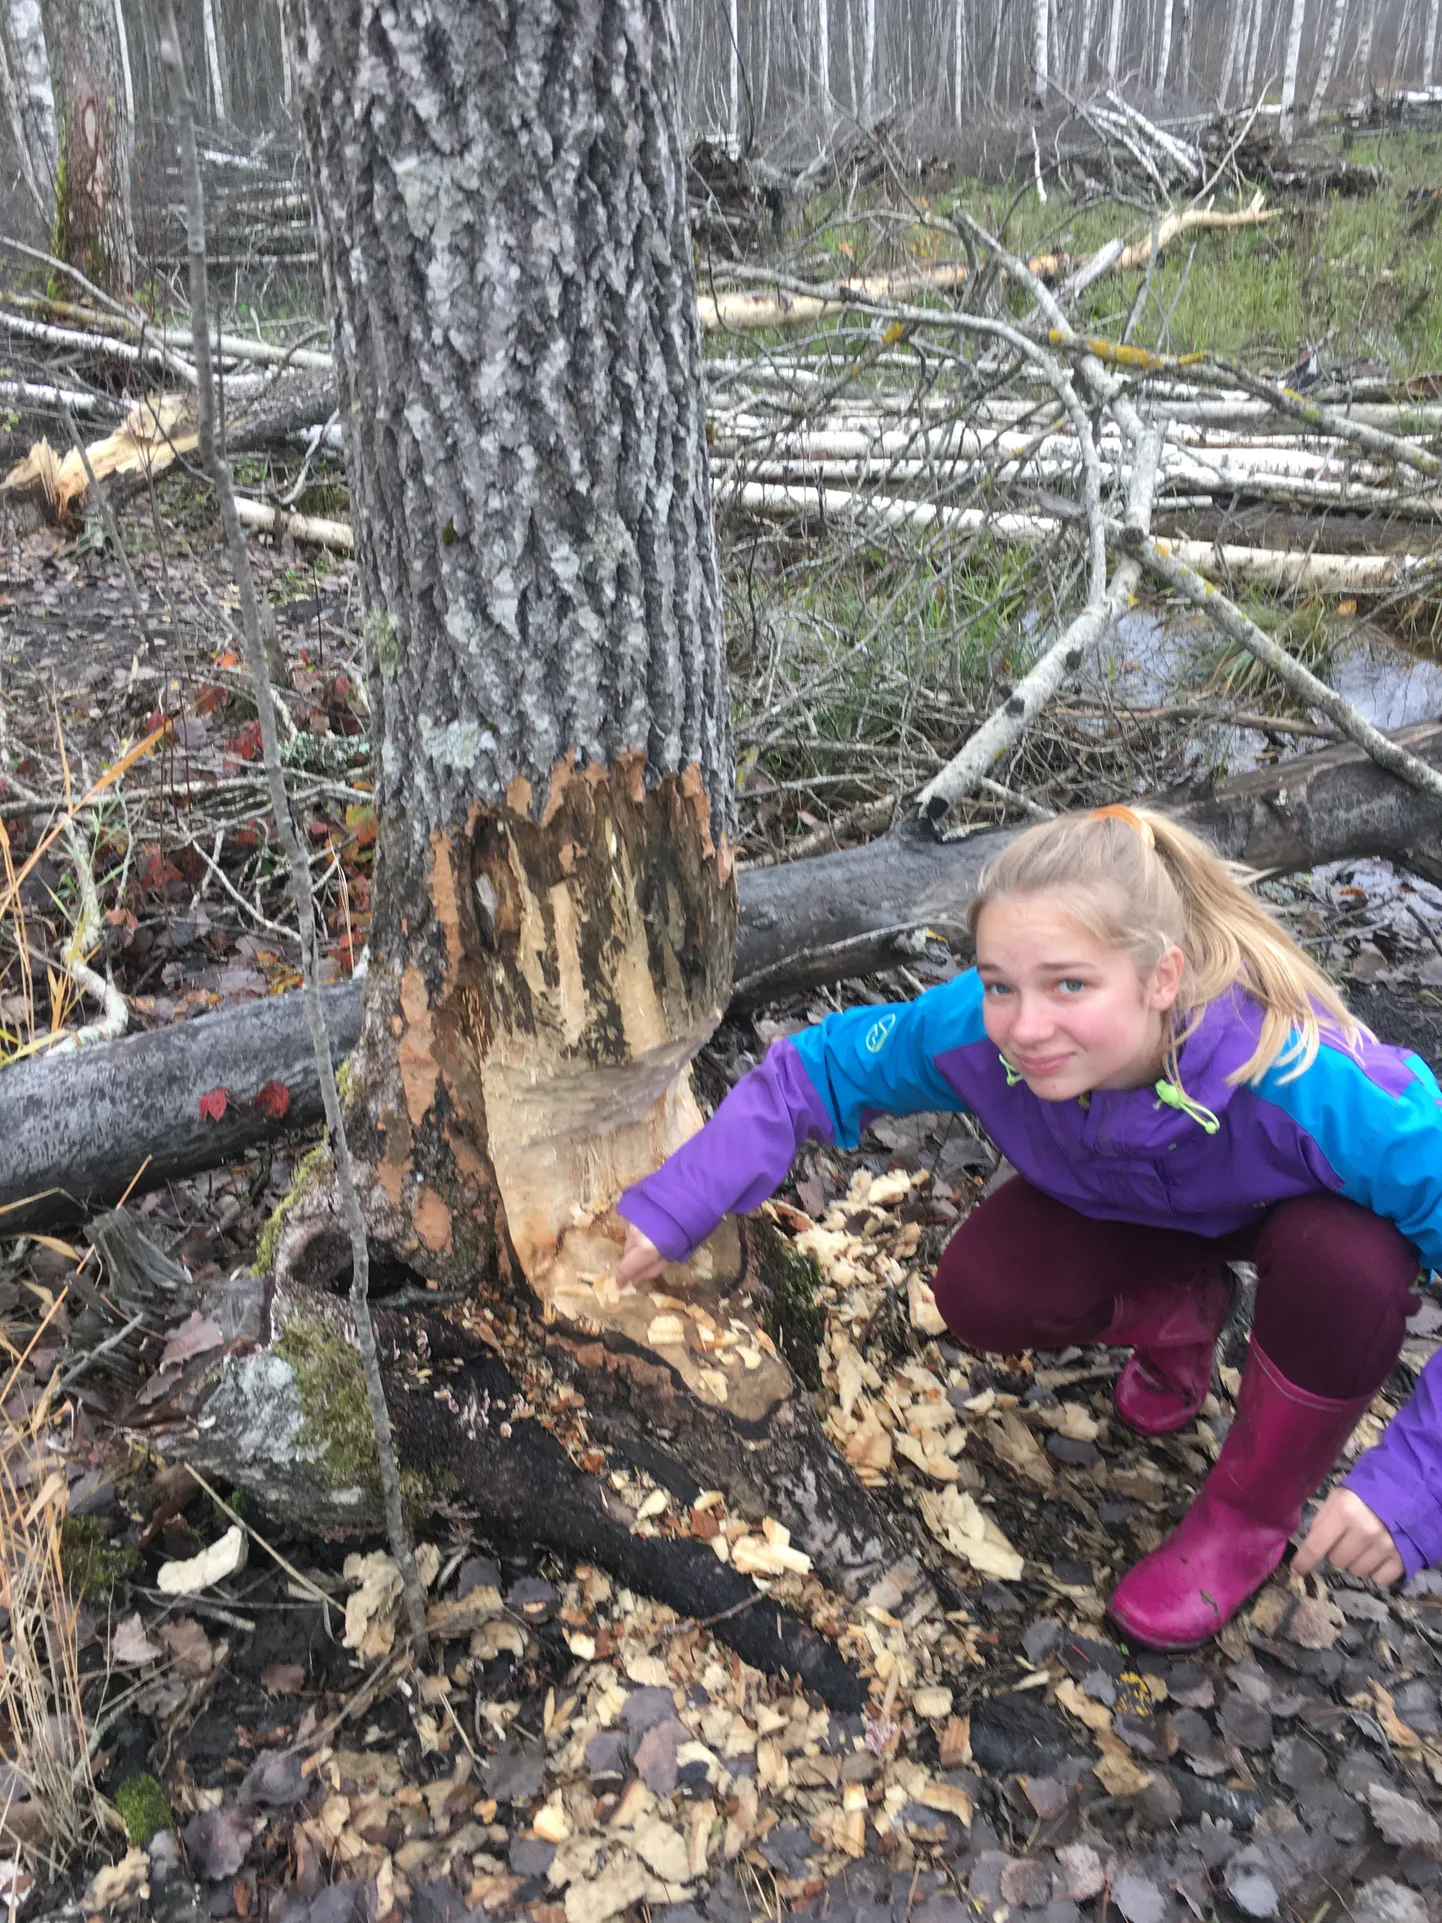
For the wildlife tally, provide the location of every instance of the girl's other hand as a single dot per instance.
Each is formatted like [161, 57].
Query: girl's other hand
[641, 1260]
[1350, 1536]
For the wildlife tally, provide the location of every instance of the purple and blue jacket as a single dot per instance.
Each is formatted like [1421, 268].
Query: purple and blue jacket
[1365, 1126]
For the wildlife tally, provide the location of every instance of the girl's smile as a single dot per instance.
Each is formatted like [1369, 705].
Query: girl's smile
[1068, 1011]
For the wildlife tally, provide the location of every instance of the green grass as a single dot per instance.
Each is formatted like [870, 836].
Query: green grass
[1357, 274]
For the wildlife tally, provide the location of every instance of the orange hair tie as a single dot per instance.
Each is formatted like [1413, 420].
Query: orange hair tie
[1119, 811]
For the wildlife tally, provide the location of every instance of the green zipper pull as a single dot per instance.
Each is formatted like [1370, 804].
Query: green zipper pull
[1013, 1075]
[1170, 1095]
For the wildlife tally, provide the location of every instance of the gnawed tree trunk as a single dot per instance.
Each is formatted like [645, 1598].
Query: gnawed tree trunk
[500, 199]
[93, 226]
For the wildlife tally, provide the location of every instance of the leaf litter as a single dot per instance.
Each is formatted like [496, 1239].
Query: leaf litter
[1012, 1757]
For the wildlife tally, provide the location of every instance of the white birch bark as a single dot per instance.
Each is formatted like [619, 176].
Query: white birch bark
[1185, 51]
[1114, 39]
[1040, 48]
[823, 56]
[1164, 44]
[1331, 47]
[1361, 65]
[122, 42]
[1082, 68]
[1234, 49]
[1289, 70]
[1429, 44]
[212, 61]
[287, 71]
[868, 63]
[36, 135]
[958, 57]
[733, 91]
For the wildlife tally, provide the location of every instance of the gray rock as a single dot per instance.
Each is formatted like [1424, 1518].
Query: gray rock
[1026, 1882]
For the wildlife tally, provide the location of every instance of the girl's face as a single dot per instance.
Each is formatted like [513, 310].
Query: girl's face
[1067, 1011]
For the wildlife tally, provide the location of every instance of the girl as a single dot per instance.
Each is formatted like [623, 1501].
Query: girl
[1178, 1087]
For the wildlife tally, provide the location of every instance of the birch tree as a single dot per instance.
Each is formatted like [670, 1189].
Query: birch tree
[1295, 22]
[30, 103]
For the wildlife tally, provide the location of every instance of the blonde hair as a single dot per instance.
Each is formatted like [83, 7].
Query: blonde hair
[1138, 882]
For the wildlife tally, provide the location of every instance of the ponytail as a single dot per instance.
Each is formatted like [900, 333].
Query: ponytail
[1141, 883]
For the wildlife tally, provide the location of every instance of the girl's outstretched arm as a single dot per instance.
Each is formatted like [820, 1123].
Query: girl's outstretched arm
[824, 1084]
[1400, 1480]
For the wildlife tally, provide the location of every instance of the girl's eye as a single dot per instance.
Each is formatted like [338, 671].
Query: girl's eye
[1071, 986]
[995, 988]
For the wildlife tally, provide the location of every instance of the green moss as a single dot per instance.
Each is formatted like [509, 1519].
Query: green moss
[342, 1080]
[93, 1564]
[381, 643]
[144, 1809]
[794, 1319]
[333, 1404]
[310, 1168]
[421, 1489]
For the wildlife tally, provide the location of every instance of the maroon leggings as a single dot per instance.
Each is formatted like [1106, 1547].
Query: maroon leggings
[1333, 1280]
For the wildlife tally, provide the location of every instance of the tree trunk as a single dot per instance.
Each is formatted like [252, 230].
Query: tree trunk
[1362, 64]
[1114, 39]
[500, 197]
[30, 103]
[1290, 65]
[1040, 49]
[868, 63]
[93, 226]
[75, 1130]
[1164, 45]
[1331, 47]
[1429, 44]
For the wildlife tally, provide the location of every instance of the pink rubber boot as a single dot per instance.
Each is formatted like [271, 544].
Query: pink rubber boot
[1277, 1452]
[1174, 1332]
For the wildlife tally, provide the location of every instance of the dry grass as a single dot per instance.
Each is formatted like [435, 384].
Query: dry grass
[50, 1808]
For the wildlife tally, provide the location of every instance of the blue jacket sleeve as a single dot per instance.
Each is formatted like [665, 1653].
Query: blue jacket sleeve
[824, 1083]
[1378, 1123]
[883, 1061]
[1400, 1480]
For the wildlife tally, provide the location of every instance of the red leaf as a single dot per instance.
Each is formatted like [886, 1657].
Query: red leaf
[214, 1104]
[246, 744]
[273, 1101]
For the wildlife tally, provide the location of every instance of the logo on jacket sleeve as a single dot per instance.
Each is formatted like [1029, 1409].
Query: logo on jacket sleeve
[877, 1033]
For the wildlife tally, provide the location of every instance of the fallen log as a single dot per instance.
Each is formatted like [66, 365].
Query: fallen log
[76, 1132]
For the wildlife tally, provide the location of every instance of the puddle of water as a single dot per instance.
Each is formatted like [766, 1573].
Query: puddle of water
[1388, 686]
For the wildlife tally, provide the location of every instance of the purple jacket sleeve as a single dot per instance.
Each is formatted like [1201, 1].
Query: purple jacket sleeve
[1400, 1480]
[739, 1158]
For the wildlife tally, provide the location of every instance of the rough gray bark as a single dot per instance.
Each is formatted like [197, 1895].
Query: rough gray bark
[75, 1130]
[94, 230]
